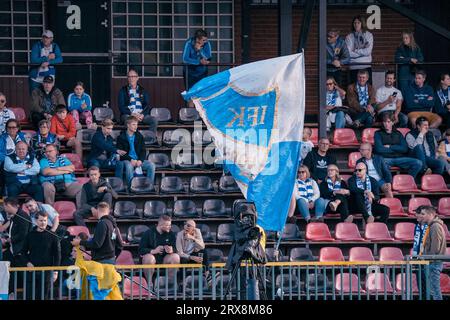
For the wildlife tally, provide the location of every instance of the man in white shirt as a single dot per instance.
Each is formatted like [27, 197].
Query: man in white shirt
[390, 99]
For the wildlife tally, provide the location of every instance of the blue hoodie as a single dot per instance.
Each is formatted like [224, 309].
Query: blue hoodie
[36, 58]
[413, 92]
[193, 57]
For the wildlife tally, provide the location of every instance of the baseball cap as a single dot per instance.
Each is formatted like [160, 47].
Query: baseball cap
[48, 79]
[48, 34]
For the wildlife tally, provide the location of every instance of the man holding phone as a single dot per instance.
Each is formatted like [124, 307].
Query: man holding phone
[390, 99]
[158, 246]
[196, 56]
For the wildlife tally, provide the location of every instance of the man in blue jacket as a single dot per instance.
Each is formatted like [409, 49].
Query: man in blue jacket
[392, 146]
[46, 54]
[420, 102]
[196, 53]
[134, 100]
[377, 168]
[104, 153]
[337, 55]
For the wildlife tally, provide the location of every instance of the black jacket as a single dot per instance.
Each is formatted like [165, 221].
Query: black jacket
[20, 227]
[152, 239]
[106, 240]
[139, 145]
[380, 166]
[41, 249]
[326, 193]
[100, 144]
[397, 144]
[354, 189]
[89, 194]
[317, 164]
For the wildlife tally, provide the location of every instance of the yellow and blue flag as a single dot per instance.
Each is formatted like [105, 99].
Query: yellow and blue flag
[255, 114]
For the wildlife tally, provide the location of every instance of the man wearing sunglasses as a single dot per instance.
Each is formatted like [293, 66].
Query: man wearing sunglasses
[365, 196]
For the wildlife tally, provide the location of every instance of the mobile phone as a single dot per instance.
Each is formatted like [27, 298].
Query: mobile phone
[394, 94]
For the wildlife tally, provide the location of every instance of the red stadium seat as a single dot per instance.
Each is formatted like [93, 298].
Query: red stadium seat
[404, 131]
[402, 287]
[76, 230]
[445, 283]
[136, 289]
[391, 254]
[404, 231]
[76, 161]
[395, 206]
[66, 209]
[378, 283]
[352, 158]
[434, 183]
[368, 135]
[444, 206]
[404, 183]
[346, 231]
[20, 114]
[318, 231]
[414, 203]
[331, 254]
[360, 254]
[342, 283]
[345, 137]
[315, 136]
[82, 180]
[377, 231]
[125, 258]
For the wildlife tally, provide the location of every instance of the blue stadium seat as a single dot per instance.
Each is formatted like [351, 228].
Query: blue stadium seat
[154, 209]
[201, 184]
[172, 185]
[225, 232]
[160, 160]
[116, 183]
[214, 208]
[161, 114]
[142, 185]
[125, 210]
[185, 209]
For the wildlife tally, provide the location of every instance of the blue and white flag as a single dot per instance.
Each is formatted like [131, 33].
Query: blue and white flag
[255, 115]
[4, 279]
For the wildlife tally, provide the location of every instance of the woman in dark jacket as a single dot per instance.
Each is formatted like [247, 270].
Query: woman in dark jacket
[408, 54]
[333, 195]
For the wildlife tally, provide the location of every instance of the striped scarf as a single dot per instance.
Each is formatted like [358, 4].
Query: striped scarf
[11, 144]
[23, 178]
[135, 105]
[444, 97]
[4, 117]
[367, 187]
[50, 139]
[60, 162]
[447, 148]
[363, 94]
[420, 235]
[333, 187]
[332, 97]
[305, 188]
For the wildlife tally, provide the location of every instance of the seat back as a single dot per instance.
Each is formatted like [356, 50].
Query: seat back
[187, 115]
[116, 183]
[228, 184]
[433, 182]
[225, 232]
[138, 288]
[102, 113]
[154, 208]
[444, 206]
[301, 254]
[360, 254]
[402, 286]
[404, 231]
[347, 232]
[161, 114]
[75, 159]
[20, 114]
[328, 254]
[66, 209]
[125, 210]
[344, 137]
[142, 185]
[318, 231]
[391, 254]
[342, 283]
[215, 255]
[378, 282]
[201, 184]
[377, 231]
[368, 135]
[290, 232]
[171, 184]
[125, 258]
[160, 160]
[395, 206]
[403, 183]
[352, 158]
[185, 208]
[214, 207]
[135, 233]
[414, 203]
[76, 230]
[85, 135]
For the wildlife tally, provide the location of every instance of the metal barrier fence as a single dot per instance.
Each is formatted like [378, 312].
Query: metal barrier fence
[371, 280]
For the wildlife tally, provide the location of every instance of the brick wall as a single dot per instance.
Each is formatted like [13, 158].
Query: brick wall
[264, 38]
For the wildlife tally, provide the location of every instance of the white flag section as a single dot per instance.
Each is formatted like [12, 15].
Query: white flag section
[255, 115]
[4, 280]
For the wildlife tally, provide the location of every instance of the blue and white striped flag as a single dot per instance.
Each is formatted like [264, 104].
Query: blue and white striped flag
[255, 114]
[4, 279]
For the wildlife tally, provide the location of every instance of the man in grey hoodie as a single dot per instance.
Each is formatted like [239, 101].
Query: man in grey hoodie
[433, 243]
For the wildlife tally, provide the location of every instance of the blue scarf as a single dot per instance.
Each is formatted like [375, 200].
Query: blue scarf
[135, 105]
[363, 94]
[332, 97]
[23, 178]
[4, 117]
[365, 186]
[305, 188]
[420, 232]
[333, 187]
[443, 97]
[60, 162]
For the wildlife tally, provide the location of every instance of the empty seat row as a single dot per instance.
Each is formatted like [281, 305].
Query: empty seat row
[396, 208]
[430, 183]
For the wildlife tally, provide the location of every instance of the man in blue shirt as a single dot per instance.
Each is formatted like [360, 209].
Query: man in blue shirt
[196, 54]
[56, 168]
[337, 55]
[132, 142]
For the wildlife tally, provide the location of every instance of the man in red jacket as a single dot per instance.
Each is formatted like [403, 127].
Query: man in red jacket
[64, 127]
